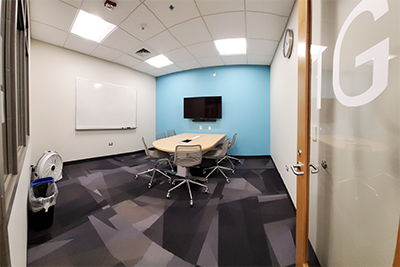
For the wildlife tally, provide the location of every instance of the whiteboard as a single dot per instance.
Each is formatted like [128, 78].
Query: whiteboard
[104, 106]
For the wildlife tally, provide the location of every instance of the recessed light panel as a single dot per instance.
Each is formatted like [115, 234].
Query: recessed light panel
[159, 61]
[91, 27]
[236, 46]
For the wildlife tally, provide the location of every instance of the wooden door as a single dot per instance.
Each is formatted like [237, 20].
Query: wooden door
[303, 132]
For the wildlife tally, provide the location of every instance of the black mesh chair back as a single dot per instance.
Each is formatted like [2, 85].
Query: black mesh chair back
[160, 135]
[233, 141]
[187, 155]
[161, 157]
[171, 133]
[218, 155]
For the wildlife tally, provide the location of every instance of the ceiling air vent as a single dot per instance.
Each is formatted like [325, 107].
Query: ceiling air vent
[143, 52]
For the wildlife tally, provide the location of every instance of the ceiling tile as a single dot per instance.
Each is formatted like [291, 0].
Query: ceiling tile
[116, 16]
[156, 72]
[106, 53]
[179, 55]
[265, 26]
[48, 34]
[54, 13]
[121, 40]
[279, 7]
[203, 50]
[140, 17]
[75, 3]
[171, 68]
[143, 67]
[261, 47]
[187, 65]
[208, 7]
[182, 11]
[191, 32]
[80, 44]
[210, 61]
[259, 59]
[164, 42]
[235, 60]
[226, 25]
[127, 60]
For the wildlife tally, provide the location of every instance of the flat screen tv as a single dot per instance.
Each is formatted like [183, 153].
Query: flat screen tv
[205, 108]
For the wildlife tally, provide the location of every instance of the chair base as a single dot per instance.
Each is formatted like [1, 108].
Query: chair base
[230, 158]
[188, 182]
[154, 170]
[219, 168]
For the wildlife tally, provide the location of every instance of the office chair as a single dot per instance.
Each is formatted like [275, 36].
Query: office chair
[160, 135]
[187, 156]
[218, 155]
[230, 158]
[171, 133]
[161, 158]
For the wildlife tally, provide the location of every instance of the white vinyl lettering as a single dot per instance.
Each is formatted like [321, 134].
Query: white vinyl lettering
[379, 53]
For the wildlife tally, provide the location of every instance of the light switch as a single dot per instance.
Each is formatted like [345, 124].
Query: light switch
[200, 127]
[209, 128]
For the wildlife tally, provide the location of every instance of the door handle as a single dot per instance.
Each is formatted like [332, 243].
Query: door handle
[296, 166]
[314, 169]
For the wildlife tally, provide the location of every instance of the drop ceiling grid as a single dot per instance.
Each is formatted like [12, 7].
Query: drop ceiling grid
[186, 36]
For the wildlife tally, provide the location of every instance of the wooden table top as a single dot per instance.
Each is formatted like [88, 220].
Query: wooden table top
[206, 141]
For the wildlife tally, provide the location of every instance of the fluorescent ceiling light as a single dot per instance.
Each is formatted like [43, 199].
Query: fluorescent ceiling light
[91, 27]
[159, 61]
[235, 46]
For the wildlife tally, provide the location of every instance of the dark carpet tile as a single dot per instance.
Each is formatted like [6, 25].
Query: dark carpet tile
[75, 205]
[277, 210]
[237, 246]
[255, 231]
[230, 230]
[73, 171]
[273, 181]
[181, 224]
[83, 247]
[254, 163]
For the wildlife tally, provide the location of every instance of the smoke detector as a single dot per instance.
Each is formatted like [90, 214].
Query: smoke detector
[143, 52]
[110, 5]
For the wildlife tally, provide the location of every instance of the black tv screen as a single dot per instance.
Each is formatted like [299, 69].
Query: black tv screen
[206, 107]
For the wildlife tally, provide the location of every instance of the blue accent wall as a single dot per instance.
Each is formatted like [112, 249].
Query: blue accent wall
[245, 92]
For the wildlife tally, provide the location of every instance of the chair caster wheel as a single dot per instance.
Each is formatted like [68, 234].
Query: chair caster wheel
[233, 172]
[149, 186]
[228, 181]
[136, 177]
[191, 203]
[168, 196]
[206, 190]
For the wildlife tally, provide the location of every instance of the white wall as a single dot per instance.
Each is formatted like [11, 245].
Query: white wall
[284, 109]
[18, 224]
[53, 74]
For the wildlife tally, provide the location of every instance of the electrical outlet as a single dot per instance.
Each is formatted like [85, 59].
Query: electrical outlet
[209, 128]
[200, 127]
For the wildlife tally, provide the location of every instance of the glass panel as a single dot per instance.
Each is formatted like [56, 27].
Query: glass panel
[354, 202]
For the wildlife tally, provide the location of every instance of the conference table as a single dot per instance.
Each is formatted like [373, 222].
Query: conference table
[207, 142]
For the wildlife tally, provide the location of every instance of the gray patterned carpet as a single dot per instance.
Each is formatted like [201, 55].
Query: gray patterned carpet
[104, 217]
